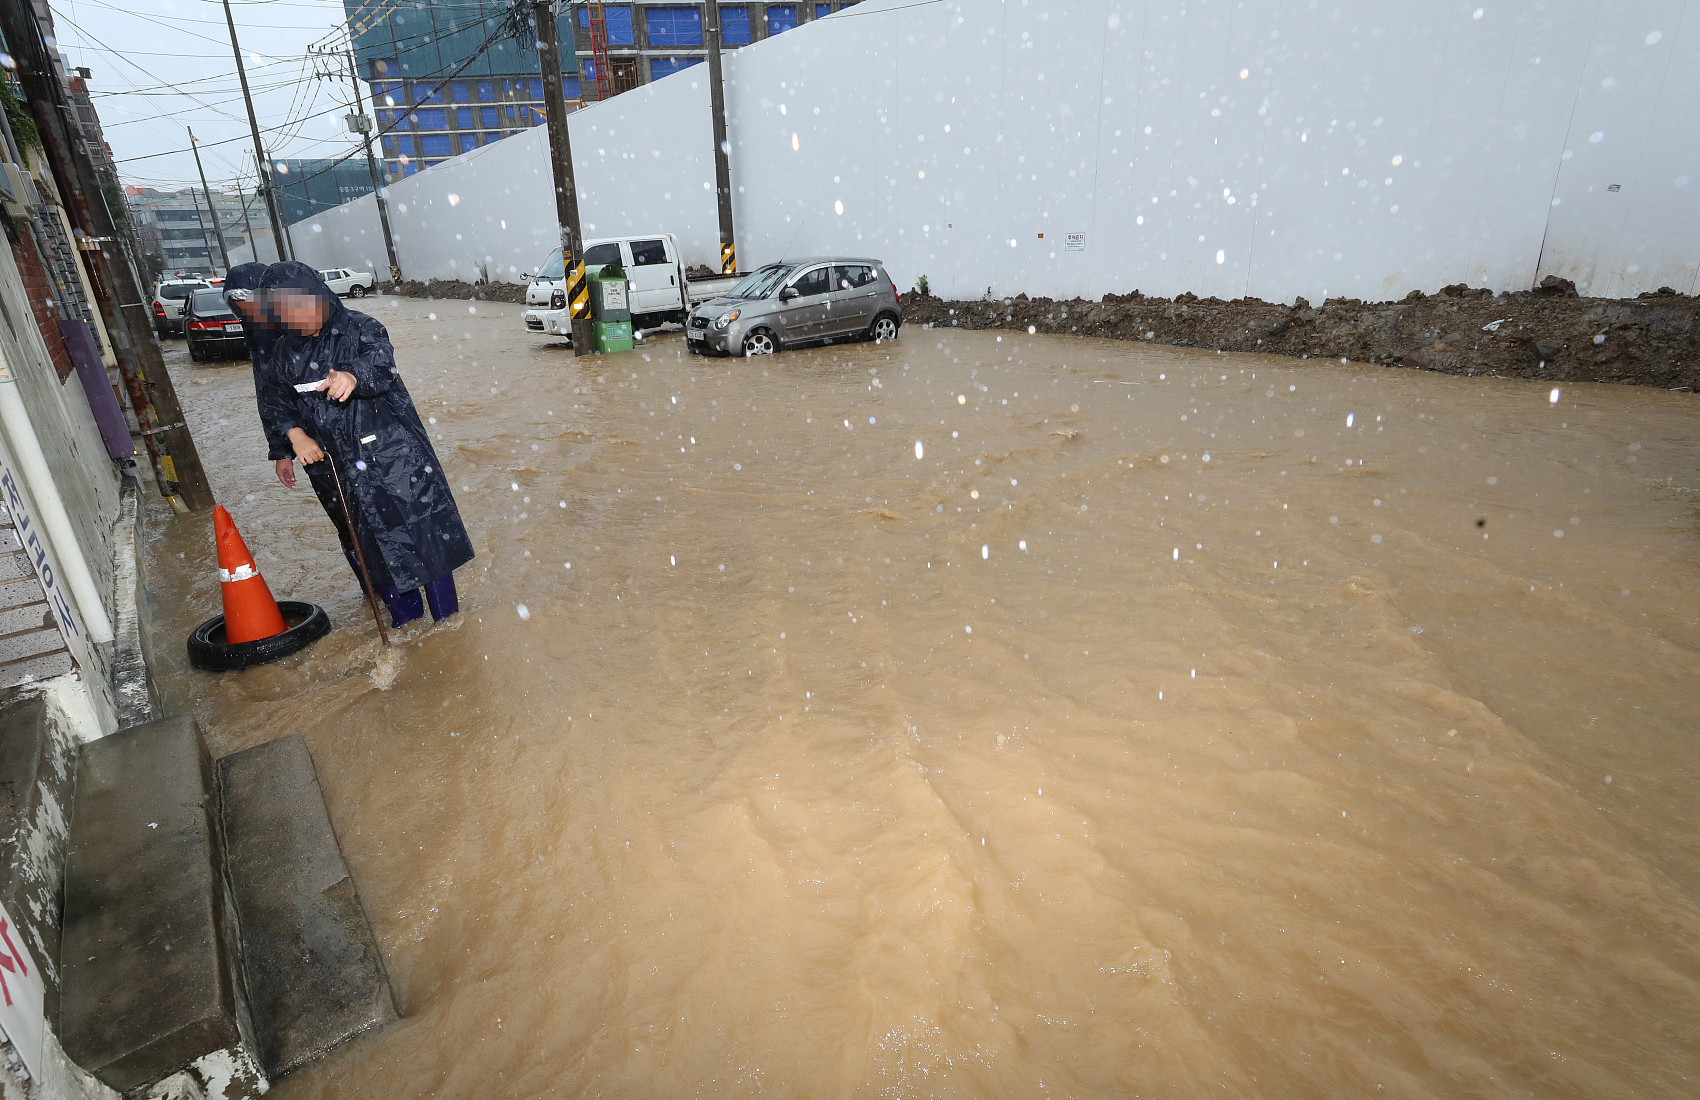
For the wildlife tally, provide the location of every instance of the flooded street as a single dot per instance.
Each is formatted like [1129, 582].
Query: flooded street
[988, 715]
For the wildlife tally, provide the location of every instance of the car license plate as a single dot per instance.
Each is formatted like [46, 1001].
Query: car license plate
[233, 328]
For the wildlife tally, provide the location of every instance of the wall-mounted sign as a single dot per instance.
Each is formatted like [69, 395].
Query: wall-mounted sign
[1074, 242]
[23, 997]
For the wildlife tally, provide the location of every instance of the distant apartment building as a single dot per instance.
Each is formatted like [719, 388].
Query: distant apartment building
[309, 187]
[174, 231]
[406, 51]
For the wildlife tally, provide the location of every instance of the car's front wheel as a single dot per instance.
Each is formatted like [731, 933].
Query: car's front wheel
[760, 342]
[884, 328]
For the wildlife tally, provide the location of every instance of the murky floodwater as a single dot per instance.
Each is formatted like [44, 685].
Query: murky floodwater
[986, 716]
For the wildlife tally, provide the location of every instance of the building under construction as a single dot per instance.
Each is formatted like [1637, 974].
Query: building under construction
[494, 84]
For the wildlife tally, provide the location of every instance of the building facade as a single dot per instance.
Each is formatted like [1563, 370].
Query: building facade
[405, 52]
[174, 231]
[309, 187]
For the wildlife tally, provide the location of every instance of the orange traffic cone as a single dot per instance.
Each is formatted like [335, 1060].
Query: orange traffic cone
[250, 613]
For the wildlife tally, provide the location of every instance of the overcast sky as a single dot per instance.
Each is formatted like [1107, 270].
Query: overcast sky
[162, 66]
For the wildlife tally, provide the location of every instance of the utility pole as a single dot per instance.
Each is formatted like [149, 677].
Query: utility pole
[118, 290]
[378, 188]
[722, 148]
[218, 230]
[254, 129]
[277, 197]
[566, 194]
[247, 224]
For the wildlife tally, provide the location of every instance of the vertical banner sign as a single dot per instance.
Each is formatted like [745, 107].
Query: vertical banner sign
[23, 997]
[29, 533]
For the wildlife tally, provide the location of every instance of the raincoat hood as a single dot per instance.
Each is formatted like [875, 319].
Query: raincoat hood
[292, 275]
[244, 277]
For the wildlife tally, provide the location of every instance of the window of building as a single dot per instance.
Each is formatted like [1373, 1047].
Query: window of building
[435, 145]
[402, 121]
[781, 17]
[427, 93]
[735, 25]
[432, 119]
[535, 87]
[490, 116]
[588, 64]
[675, 26]
[667, 66]
[405, 146]
[486, 91]
[569, 87]
[492, 137]
[463, 118]
[389, 147]
[388, 94]
[408, 168]
[458, 91]
[384, 66]
[618, 20]
[822, 10]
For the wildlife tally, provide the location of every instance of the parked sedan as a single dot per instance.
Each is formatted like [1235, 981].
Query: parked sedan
[822, 299]
[213, 329]
[348, 282]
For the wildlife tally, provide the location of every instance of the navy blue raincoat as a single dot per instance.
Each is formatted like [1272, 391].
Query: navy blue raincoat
[406, 517]
[262, 336]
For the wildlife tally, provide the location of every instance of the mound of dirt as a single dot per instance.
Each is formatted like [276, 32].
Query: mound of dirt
[1548, 333]
[454, 288]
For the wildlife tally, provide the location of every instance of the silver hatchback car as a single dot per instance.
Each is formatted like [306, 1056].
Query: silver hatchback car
[798, 302]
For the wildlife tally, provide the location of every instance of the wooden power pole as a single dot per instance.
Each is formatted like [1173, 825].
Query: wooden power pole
[722, 147]
[218, 230]
[566, 194]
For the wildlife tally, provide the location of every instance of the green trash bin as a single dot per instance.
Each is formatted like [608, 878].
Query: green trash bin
[610, 307]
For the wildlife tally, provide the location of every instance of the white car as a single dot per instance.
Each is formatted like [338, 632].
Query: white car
[347, 282]
[169, 298]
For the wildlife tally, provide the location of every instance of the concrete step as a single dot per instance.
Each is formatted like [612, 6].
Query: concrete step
[310, 964]
[146, 973]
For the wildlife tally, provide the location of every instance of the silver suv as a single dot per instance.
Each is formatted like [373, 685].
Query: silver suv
[169, 298]
[798, 302]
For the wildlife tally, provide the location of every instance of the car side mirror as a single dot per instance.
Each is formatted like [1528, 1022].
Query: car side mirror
[789, 293]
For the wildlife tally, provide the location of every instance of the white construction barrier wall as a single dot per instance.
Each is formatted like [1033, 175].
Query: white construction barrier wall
[1346, 149]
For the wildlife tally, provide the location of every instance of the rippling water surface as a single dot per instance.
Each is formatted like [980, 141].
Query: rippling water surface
[975, 717]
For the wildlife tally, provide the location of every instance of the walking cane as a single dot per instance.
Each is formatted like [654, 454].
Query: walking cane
[359, 554]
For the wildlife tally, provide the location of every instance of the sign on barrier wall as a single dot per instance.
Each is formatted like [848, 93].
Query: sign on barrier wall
[23, 997]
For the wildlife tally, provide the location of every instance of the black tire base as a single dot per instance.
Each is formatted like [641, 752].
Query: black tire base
[304, 624]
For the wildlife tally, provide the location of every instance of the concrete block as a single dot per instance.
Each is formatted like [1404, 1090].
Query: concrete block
[310, 963]
[145, 979]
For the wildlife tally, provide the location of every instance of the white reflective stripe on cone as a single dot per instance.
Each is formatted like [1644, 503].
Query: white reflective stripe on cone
[242, 573]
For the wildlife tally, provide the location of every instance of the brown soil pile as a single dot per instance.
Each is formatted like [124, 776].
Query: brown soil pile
[1546, 333]
[454, 288]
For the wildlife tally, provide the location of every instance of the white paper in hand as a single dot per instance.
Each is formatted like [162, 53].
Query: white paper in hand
[309, 387]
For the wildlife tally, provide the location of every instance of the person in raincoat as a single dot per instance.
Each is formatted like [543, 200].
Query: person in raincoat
[333, 393]
[242, 293]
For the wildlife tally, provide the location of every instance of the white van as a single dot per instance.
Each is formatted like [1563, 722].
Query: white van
[659, 290]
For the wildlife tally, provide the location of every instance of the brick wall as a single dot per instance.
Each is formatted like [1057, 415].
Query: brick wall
[39, 286]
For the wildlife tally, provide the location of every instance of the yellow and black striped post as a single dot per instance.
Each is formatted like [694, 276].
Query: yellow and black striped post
[728, 259]
[578, 292]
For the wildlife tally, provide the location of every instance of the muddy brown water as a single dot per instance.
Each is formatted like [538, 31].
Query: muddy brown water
[987, 715]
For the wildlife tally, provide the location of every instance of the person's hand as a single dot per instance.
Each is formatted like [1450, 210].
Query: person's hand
[286, 472]
[305, 449]
[338, 385]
